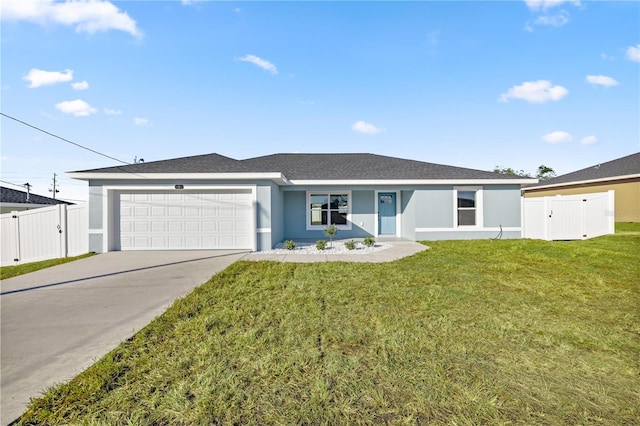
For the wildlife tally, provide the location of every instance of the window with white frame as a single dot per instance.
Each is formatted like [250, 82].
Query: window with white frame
[328, 208]
[468, 206]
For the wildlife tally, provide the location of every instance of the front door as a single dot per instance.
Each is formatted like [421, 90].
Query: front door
[386, 213]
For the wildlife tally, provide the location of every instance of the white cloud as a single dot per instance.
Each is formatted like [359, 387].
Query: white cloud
[140, 121]
[112, 111]
[86, 16]
[602, 80]
[607, 57]
[633, 53]
[535, 92]
[79, 108]
[191, 2]
[433, 38]
[543, 5]
[364, 127]
[589, 140]
[265, 65]
[553, 20]
[80, 85]
[37, 78]
[557, 137]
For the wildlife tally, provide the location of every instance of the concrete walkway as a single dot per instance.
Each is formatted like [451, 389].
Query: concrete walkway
[56, 322]
[398, 250]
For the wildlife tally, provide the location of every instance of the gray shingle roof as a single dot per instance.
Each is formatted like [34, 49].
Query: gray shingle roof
[14, 196]
[311, 167]
[629, 165]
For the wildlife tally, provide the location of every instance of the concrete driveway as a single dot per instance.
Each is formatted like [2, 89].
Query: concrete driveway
[56, 322]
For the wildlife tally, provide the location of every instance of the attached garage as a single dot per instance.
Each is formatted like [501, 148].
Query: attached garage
[185, 220]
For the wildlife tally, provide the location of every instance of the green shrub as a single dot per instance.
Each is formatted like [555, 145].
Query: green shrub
[290, 245]
[350, 245]
[321, 244]
[369, 242]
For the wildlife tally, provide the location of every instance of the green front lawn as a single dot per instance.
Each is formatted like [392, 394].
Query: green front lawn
[15, 270]
[469, 332]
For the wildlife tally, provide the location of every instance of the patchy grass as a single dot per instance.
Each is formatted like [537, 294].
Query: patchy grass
[469, 332]
[15, 270]
[626, 227]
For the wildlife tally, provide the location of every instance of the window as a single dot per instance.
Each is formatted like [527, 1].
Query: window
[328, 209]
[468, 206]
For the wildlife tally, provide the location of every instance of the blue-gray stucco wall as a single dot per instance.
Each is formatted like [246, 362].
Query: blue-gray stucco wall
[295, 214]
[502, 205]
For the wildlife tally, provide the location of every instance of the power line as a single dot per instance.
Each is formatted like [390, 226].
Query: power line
[63, 139]
[11, 183]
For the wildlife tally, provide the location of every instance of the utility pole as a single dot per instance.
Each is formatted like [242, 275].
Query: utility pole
[55, 187]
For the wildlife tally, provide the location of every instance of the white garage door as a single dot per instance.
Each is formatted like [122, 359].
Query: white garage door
[186, 220]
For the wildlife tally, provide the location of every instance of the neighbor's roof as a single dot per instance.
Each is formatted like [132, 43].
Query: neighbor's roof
[14, 196]
[625, 167]
[306, 167]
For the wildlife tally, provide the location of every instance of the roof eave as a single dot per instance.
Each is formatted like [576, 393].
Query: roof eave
[312, 182]
[276, 177]
[582, 182]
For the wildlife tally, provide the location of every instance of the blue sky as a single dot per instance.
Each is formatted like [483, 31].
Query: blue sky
[473, 84]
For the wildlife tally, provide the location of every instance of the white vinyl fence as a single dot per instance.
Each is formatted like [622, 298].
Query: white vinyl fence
[44, 233]
[568, 217]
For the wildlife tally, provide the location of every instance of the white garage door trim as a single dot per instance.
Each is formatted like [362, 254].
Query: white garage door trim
[200, 235]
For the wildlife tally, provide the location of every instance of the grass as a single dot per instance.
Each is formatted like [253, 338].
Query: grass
[469, 332]
[15, 270]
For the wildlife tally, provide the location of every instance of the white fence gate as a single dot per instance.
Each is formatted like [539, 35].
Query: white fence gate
[44, 233]
[568, 217]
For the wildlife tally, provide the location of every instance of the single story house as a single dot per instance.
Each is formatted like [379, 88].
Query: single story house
[212, 201]
[621, 175]
[16, 200]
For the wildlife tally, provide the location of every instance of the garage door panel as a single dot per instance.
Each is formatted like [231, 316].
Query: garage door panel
[192, 226]
[174, 211]
[175, 226]
[156, 220]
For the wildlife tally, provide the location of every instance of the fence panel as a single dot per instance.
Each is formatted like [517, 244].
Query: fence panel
[599, 217]
[39, 234]
[77, 230]
[568, 217]
[9, 240]
[44, 233]
[534, 224]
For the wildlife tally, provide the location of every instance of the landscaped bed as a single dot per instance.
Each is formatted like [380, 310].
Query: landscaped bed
[469, 332]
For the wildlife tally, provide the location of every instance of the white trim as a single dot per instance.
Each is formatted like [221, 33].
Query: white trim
[479, 207]
[471, 229]
[397, 182]
[376, 202]
[275, 176]
[581, 182]
[307, 209]
[263, 230]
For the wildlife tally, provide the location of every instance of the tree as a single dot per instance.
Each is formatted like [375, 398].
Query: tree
[511, 172]
[545, 172]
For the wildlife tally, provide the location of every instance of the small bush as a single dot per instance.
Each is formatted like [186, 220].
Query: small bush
[290, 245]
[350, 245]
[369, 242]
[330, 232]
[321, 244]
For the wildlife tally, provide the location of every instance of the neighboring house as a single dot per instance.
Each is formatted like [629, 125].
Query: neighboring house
[15, 200]
[212, 201]
[621, 175]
